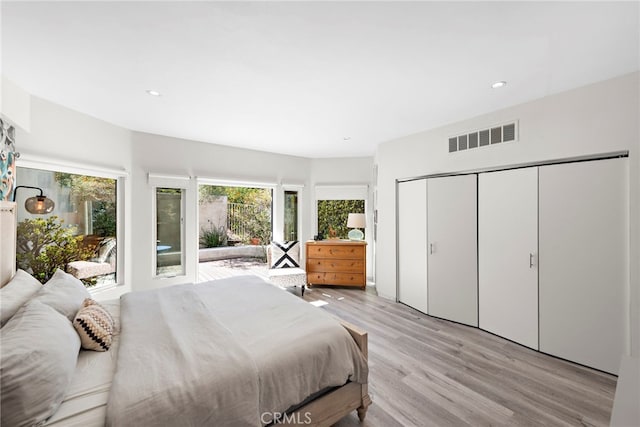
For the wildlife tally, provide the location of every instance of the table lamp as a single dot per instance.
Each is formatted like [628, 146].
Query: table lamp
[356, 221]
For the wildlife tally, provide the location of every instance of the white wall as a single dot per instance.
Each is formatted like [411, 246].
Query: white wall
[15, 104]
[61, 135]
[598, 118]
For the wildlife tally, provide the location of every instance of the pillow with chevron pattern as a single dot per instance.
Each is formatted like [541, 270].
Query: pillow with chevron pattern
[285, 254]
[94, 325]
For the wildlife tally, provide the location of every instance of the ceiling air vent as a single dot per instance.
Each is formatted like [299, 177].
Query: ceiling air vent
[509, 132]
[453, 144]
[484, 137]
[496, 135]
[473, 140]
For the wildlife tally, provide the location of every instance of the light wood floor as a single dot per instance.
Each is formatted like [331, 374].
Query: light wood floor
[431, 372]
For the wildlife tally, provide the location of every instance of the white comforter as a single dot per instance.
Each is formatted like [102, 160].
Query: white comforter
[225, 353]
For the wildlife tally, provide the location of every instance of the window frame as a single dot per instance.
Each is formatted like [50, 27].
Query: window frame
[183, 260]
[284, 211]
[55, 165]
[175, 182]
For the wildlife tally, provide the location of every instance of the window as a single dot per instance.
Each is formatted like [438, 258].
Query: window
[169, 232]
[291, 215]
[235, 225]
[333, 214]
[79, 236]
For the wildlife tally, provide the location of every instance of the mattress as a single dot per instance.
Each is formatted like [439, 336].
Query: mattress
[85, 404]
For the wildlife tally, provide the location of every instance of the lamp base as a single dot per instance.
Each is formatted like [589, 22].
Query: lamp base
[356, 234]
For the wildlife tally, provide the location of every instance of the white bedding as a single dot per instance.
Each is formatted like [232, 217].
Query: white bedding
[231, 352]
[279, 335]
[85, 403]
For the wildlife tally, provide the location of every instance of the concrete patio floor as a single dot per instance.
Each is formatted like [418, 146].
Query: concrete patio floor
[225, 268]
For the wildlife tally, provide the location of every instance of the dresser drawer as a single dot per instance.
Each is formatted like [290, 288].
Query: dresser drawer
[337, 251]
[346, 279]
[335, 265]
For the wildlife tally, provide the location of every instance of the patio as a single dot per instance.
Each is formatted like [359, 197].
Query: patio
[225, 268]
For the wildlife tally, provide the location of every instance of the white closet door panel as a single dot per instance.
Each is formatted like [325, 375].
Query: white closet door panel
[453, 256]
[584, 262]
[508, 243]
[412, 244]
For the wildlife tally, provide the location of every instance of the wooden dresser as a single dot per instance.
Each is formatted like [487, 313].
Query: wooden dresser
[337, 262]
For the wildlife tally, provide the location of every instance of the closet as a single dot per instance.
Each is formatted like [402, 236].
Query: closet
[412, 244]
[537, 255]
[437, 249]
[507, 250]
[452, 233]
[583, 216]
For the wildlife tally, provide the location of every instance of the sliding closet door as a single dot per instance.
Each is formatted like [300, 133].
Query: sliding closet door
[507, 252]
[584, 262]
[452, 236]
[412, 244]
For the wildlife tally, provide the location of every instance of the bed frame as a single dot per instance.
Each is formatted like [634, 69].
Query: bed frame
[329, 408]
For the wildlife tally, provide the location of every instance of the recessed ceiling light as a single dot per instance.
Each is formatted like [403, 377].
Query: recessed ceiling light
[153, 92]
[501, 83]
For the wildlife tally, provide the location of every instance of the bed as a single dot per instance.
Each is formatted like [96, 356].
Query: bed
[234, 352]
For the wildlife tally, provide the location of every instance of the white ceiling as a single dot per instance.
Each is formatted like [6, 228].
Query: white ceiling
[298, 77]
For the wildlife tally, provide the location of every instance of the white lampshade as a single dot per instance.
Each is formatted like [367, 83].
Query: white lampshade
[356, 220]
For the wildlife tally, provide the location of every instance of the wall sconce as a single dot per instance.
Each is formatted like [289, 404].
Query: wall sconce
[355, 221]
[38, 205]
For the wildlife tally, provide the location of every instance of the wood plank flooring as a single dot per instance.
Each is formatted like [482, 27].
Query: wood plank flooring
[430, 372]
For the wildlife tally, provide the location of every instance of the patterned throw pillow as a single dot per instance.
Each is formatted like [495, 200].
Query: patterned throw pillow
[285, 254]
[94, 325]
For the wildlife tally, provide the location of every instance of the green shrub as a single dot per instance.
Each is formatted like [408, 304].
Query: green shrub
[334, 214]
[213, 237]
[104, 219]
[44, 245]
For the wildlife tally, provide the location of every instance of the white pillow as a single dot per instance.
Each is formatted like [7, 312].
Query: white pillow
[285, 254]
[64, 293]
[16, 293]
[38, 358]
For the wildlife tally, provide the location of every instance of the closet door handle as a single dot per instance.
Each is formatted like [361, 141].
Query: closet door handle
[430, 248]
[530, 260]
